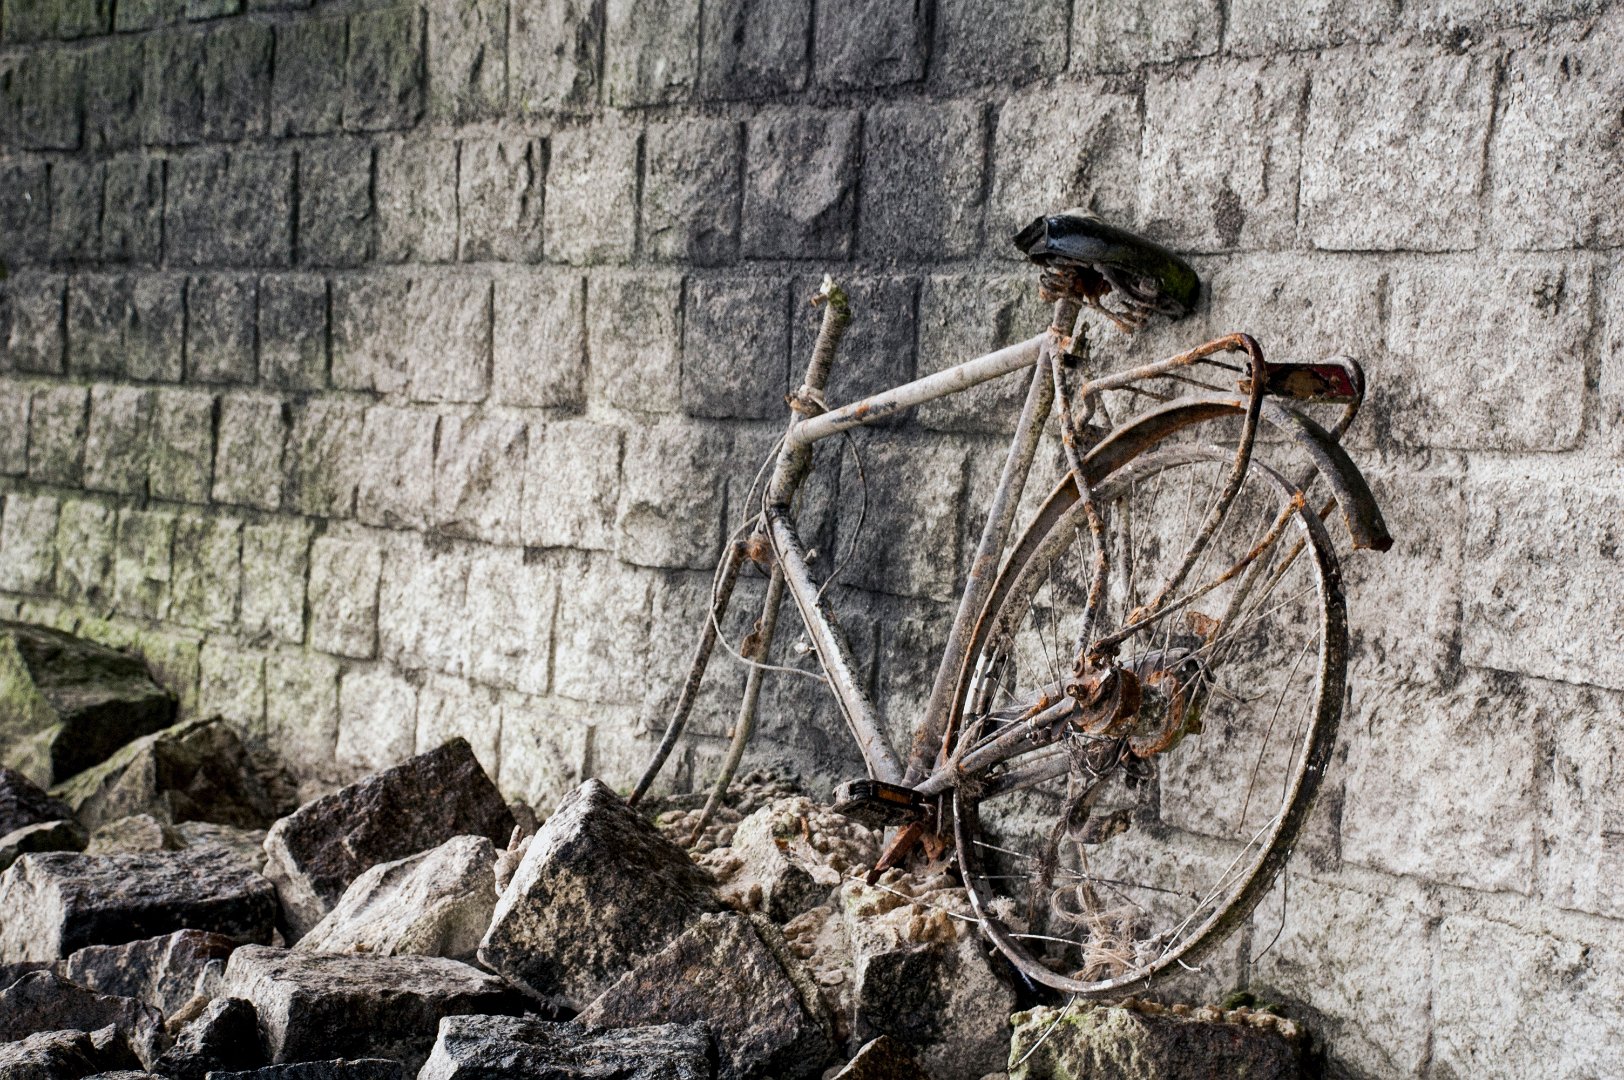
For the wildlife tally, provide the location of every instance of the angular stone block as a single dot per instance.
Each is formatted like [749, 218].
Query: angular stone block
[172, 98]
[539, 337]
[448, 339]
[220, 329]
[926, 152]
[231, 208]
[417, 201]
[14, 406]
[25, 208]
[23, 803]
[248, 463]
[307, 88]
[52, 1054]
[571, 485]
[207, 576]
[962, 316]
[590, 214]
[77, 900]
[344, 596]
[499, 188]
[1578, 815]
[449, 707]
[142, 566]
[336, 218]
[651, 51]
[164, 972]
[478, 478]
[421, 619]
[28, 540]
[32, 321]
[116, 439]
[236, 81]
[435, 903]
[800, 193]
[510, 605]
[978, 44]
[291, 330]
[1123, 36]
[736, 333]
[368, 316]
[670, 497]
[132, 210]
[231, 684]
[634, 340]
[691, 191]
[468, 59]
[310, 1005]
[864, 43]
[180, 462]
[325, 457]
[76, 207]
[915, 502]
[276, 555]
[383, 76]
[581, 910]
[753, 47]
[98, 318]
[477, 1047]
[301, 709]
[71, 703]
[1367, 182]
[224, 1036]
[1257, 27]
[338, 1069]
[397, 477]
[320, 849]
[1082, 1039]
[44, 1001]
[377, 721]
[42, 101]
[555, 55]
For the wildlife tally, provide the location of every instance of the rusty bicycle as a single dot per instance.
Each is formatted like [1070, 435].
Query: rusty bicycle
[1140, 691]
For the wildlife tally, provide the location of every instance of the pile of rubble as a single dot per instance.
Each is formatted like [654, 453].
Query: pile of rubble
[161, 914]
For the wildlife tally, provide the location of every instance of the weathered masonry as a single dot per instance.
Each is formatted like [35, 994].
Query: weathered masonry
[384, 371]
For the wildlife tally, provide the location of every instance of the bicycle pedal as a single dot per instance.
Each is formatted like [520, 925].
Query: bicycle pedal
[877, 804]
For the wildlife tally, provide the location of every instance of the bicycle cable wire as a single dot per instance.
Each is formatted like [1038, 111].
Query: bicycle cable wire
[862, 516]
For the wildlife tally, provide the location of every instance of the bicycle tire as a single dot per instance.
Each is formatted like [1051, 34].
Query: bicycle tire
[1171, 829]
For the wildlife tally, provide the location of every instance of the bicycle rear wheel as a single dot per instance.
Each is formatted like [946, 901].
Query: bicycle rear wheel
[1123, 841]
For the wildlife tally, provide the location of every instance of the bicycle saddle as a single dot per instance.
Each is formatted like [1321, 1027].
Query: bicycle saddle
[1083, 256]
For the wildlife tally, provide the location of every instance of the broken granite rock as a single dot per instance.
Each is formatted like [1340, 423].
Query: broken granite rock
[724, 972]
[66, 703]
[224, 1037]
[314, 1005]
[788, 857]
[501, 1047]
[165, 972]
[882, 1059]
[56, 904]
[197, 770]
[1094, 1040]
[133, 834]
[66, 1055]
[247, 844]
[45, 1001]
[435, 903]
[23, 802]
[315, 853]
[359, 1069]
[42, 837]
[599, 889]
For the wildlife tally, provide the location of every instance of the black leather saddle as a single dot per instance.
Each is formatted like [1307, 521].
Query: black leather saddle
[1083, 256]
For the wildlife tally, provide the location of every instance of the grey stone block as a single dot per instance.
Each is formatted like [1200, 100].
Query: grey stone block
[499, 190]
[307, 87]
[735, 341]
[152, 333]
[417, 201]
[336, 220]
[467, 59]
[1256, 27]
[1200, 193]
[601, 634]
[85, 537]
[1302, 307]
[368, 314]
[200, 10]
[113, 94]
[324, 457]
[231, 208]
[344, 578]
[291, 331]
[180, 462]
[397, 472]
[544, 748]
[1393, 152]
[753, 47]
[43, 1001]
[540, 341]
[276, 557]
[56, 432]
[248, 463]
[43, 97]
[478, 478]
[377, 720]
[555, 55]
[691, 191]
[132, 209]
[231, 684]
[14, 398]
[1053, 149]
[142, 563]
[928, 163]
[84, 18]
[474, 1046]
[1555, 142]
[301, 709]
[33, 322]
[76, 208]
[236, 81]
[220, 329]
[1121, 36]
[800, 193]
[590, 214]
[205, 582]
[1456, 336]
[28, 540]
[634, 340]
[670, 512]
[1007, 43]
[962, 316]
[383, 78]
[448, 339]
[30, 22]
[877, 352]
[571, 485]
[116, 439]
[510, 603]
[98, 320]
[146, 14]
[25, 207]
[866, 43]
[422, 625]
[651, 51]
[915, 502]
[449, 707]
[172, 92]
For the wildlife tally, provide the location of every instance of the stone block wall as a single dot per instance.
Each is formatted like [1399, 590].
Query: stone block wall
[382, 371]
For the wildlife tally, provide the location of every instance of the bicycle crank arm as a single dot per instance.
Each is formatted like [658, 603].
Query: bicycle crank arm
[877, 804]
